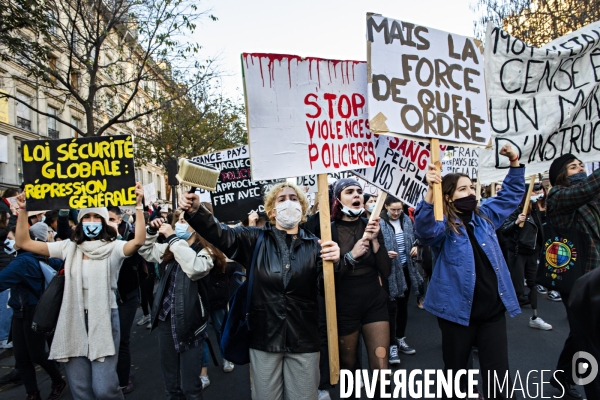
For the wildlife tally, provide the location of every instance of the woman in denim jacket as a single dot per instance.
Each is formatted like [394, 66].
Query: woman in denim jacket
[471, 286]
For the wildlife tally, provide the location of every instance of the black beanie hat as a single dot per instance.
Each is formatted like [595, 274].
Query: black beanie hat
[557, 166]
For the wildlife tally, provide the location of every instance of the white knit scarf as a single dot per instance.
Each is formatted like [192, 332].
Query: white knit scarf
[71, 338]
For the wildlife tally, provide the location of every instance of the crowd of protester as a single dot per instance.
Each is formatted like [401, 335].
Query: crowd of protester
[180, 266]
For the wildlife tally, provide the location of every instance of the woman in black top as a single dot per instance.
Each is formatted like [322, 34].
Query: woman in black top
[361, 300]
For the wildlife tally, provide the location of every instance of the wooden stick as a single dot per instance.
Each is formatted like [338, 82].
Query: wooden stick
[478, 189]
[438, 205]
[330, 311]
[377, 210]
[529, 191]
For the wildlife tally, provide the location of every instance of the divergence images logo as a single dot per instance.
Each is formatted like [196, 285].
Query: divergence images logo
[583, 363]
[561, 255]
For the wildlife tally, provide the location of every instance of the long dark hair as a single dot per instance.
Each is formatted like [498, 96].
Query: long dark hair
[108, 233]
[562, 179]
[219, 259]
[449, 183]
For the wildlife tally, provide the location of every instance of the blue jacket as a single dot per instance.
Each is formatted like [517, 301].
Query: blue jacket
[24, 277]
[450, 292]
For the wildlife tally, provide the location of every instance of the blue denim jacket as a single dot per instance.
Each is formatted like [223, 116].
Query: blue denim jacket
[450, 292]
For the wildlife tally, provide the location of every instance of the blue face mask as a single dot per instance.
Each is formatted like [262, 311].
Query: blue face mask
[182, 232]
[577, 178]
[43, 218]
[92, 229]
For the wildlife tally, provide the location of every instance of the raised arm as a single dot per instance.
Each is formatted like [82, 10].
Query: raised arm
[140, 224]
[22, 238]
[237, 243]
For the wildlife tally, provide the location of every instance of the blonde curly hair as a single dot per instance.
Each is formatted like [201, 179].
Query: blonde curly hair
[271, 197]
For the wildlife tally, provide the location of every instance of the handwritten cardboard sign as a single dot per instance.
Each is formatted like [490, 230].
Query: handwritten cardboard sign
[306, 115]
[542, 101]
[425, 83]
[400, 169]
[237, 194]
[79, 173]
[150, 193]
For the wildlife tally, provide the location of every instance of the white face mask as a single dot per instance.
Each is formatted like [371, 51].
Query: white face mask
[289, 214]
[349, 212]
[371, 207]
[9, 246]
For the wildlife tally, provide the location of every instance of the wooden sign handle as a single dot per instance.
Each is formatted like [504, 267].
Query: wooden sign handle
[527, 202]
[377, 210]
[438, 205]
[328, 278]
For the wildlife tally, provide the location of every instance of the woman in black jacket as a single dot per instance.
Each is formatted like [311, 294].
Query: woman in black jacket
[180, 311]
[525, 246]
[284, 342]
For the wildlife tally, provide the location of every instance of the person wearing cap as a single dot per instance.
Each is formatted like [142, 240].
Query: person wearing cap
[361, 301]
[471, 289]
[25, 279]
[36, 216]
[87, 332]
[574, 202]
[284, 340]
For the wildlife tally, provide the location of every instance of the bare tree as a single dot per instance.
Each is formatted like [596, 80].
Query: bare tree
[114, 61]
[202, 122]
[536, 22]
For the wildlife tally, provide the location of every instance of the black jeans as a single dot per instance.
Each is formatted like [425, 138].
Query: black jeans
[181, 371]
[566, 355]
[398, 311]
[29, 348]
[147, 290]
[491, 340]
[525, 267]
[127, 310]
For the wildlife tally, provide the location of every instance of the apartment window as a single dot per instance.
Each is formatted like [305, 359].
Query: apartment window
[52, 67]
[23, 112]
[75, 80]
[19, 162]
[52, 124]
[75, 122]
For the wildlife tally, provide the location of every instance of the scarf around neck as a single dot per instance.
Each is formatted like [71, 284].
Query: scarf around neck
[71, 338]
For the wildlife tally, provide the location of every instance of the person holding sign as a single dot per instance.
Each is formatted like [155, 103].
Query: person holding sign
[360, 299]
[471, 287]
[87, 333]
[180, 309]
[284, 339]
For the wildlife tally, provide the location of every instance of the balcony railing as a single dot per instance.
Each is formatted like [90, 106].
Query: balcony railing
[52, 133]
[24, 123]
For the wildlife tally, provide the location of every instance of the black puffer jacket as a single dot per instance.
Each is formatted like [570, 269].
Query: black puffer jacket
[282, 319]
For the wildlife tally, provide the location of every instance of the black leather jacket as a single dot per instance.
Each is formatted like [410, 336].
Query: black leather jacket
[282, 319]
[512, 232]
[191, 304]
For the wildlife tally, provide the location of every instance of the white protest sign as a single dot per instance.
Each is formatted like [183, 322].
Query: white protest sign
[544, 102]
[150, 193]
[236, 194]
[425, 83]
[401, 167]
[591, 167]
[311, 180]
[447, 161]
[306, 115]
[465, 160]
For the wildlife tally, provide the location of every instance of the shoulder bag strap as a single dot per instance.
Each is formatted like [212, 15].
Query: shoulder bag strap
[251, 271]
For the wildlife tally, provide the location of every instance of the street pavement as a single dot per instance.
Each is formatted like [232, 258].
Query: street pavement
[529, 350]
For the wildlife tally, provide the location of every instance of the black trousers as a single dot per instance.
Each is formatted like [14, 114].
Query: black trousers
[525, 268]
[29, 348]
[147, 290]
[398, 311]
[491, 340]
[127, 310]
[566, 355]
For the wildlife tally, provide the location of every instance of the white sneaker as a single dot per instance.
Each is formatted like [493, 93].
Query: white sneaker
[149, 326]
[539, 323]
[324, 395]
[227, 366]
[205, 381]
[5, 344]
[144, 320]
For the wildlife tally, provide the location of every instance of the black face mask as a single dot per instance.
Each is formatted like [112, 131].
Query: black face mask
[466, 204]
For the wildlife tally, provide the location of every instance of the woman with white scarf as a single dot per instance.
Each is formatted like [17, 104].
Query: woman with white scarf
[87, 333]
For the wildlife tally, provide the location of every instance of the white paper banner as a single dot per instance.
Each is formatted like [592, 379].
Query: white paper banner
[150, 193]
[544, 102]
[425, 83]
[306, 115]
